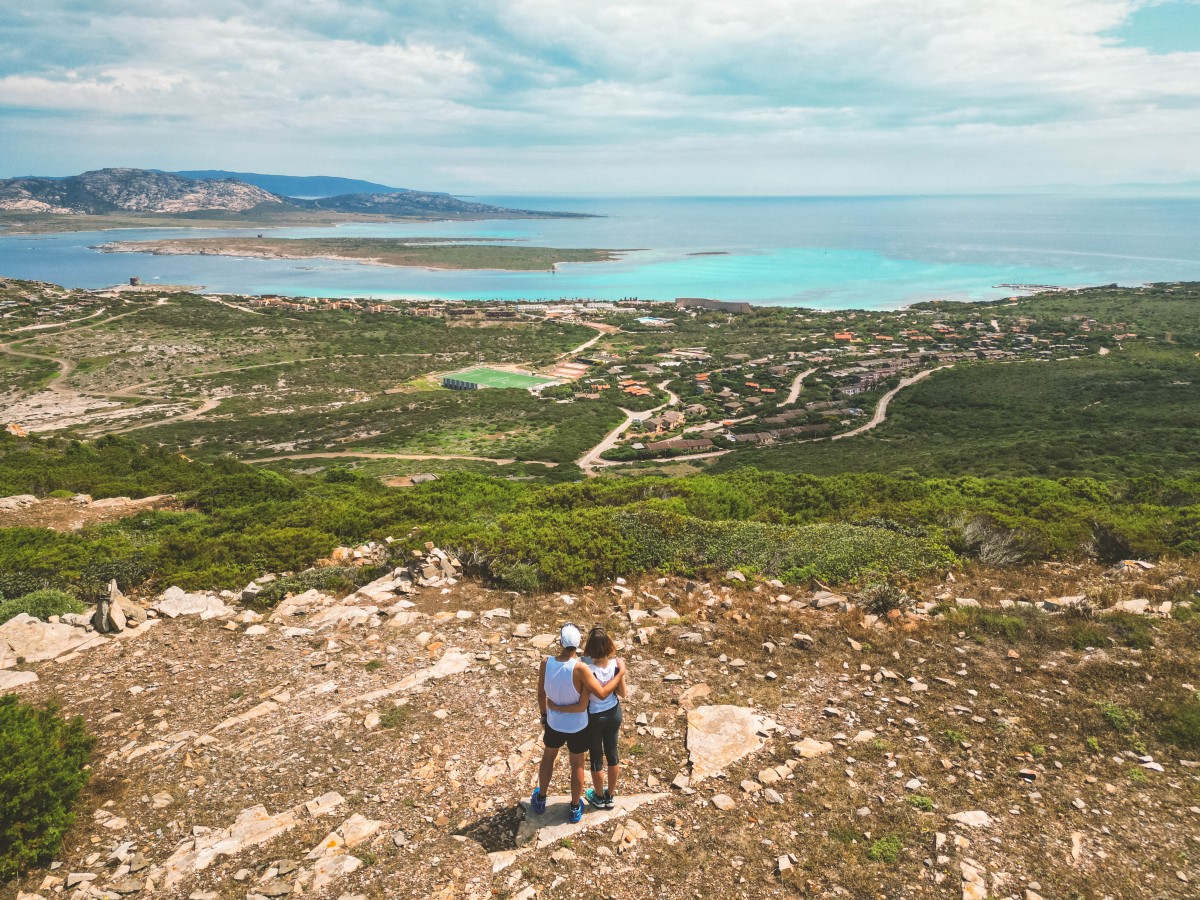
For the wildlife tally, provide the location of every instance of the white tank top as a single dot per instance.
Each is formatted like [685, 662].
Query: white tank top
[560, 687]
[604, 676]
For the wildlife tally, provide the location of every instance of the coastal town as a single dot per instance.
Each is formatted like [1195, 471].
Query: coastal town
[693, 377]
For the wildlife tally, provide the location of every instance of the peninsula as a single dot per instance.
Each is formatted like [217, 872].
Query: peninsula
[144, 198]
[430, 253]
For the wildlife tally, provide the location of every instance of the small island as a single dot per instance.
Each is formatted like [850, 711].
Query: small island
[428, 253]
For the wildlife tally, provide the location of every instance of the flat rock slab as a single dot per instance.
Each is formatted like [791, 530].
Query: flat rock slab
[251, 828]
[35, 640]
[175, 602]
[718, 736]
[10, 680]
[539, 832]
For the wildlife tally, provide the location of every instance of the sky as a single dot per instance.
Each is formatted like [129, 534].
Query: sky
[632, 97]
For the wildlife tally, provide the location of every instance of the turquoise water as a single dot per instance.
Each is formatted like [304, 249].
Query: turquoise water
[830, 253]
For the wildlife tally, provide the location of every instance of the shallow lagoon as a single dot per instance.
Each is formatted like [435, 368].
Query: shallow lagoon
[823, 252]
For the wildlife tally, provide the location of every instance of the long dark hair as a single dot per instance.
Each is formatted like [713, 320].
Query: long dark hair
[599, 645]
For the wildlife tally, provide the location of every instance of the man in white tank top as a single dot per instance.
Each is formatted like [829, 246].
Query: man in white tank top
[564, 681]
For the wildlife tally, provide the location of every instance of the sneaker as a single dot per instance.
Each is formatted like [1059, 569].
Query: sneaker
[609, 802]
[538, 802]
[576, 812]
[593, 798]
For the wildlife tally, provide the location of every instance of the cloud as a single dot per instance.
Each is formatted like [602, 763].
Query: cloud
[533, 84]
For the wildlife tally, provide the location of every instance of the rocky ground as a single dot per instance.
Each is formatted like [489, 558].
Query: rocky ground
[26, 510]
[778, 743]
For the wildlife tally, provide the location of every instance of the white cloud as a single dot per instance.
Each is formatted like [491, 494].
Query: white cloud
[573, 89]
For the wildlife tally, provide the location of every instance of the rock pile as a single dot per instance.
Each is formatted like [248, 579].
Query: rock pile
[369, 554]
[19, 501]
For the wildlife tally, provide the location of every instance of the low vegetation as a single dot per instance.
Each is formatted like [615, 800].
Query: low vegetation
[41, 604]
[44, 757]
[427, 253]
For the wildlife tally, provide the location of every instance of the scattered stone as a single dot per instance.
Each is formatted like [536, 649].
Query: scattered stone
[723, 802]
[810, 749]
[973, 819]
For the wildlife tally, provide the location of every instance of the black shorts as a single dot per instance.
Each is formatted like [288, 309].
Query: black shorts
[603, 728]
[576, 743]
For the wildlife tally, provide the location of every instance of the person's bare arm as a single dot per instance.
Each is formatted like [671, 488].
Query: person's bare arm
[582, 703]
[599, 691]
[542, 699]
[621, 675]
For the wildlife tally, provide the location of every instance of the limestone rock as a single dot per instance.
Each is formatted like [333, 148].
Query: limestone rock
[252, 827]
[975, 818]
[11, 680]
[175, 602]
[720, 735]
[723, 802]
[35, 640]
[133, 612]
[809, 748]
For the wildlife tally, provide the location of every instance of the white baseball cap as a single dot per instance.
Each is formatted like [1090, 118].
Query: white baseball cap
[569, 636]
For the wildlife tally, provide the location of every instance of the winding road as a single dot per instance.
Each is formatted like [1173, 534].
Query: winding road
[591, 460]
[797, 385]
[881, 407]
[365, 454]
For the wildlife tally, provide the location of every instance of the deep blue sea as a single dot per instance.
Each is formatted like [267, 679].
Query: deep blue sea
[824, 252]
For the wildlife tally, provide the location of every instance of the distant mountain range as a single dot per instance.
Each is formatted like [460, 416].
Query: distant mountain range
[107, 191]
[305, 186]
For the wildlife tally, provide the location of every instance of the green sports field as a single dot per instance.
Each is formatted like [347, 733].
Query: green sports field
[485, 377]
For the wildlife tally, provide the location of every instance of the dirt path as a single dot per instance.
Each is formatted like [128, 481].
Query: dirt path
[601, 330]
[591, 460]
[205, 407]
[56, 324]
[881, 408]
[797, 385]
[364, 454]
[253, 312]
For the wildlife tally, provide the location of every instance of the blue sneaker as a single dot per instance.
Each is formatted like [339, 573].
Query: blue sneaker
[577, 812]
[538, 802]
[597, 800]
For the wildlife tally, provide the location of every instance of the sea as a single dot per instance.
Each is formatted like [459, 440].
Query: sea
[817, 252]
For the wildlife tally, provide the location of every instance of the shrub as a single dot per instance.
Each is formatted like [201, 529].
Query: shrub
[40, 604]
[330, 580]
[954, 736]
[921, 802]
[880, 598]
[394, 717]
[1119, 717]
[1133, 630]
[886, 849]
[1084, 636]
[1181, 725]
[42, 776]
[988, 621]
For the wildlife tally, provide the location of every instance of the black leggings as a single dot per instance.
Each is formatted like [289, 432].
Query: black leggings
[603, 728]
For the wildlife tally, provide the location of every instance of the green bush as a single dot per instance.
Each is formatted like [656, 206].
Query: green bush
[886, 849]
[1119, 717]
[1181, 725]
[1133, 630]
[44, 757]
[40, 604]
[1084, 636]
